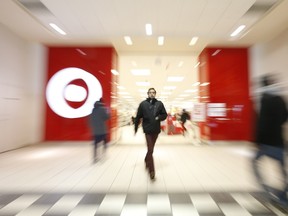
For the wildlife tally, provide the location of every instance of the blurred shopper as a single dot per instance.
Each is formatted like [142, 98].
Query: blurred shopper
[184, 117]
[97, 121]
[152, 112]
[271, 115]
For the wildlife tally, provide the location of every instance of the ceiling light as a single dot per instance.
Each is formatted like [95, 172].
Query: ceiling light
[196, 84]
[205, 84]
[115, 72]
[148, 29]
[175, 79]
[198, 63]
[128, 40]
[120, 87]
[160, 40]
[238, 30]
[57, 28]
[140, 72]
[193, 41]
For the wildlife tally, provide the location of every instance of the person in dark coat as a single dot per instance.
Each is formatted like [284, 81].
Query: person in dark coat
[151, 111]
[97, 121]
[184, 117]
[269, 135]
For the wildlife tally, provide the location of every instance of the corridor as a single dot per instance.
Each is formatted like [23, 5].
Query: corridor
[59, 178]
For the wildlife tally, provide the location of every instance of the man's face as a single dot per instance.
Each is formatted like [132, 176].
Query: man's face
[151, 93]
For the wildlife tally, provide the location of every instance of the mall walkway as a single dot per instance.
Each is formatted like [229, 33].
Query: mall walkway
[59, 178]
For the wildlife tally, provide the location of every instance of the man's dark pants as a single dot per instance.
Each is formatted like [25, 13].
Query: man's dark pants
[150, 140]
[277, 154]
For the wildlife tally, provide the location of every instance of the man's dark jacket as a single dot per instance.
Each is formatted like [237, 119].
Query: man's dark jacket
[272, 115]
[148, 110]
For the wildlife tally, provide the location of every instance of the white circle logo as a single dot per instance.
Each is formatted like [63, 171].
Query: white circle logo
[59, 90]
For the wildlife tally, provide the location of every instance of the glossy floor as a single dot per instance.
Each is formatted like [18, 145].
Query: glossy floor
[60, 178]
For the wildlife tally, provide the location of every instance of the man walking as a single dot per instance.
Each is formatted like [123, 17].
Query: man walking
[269, 136]
[152, 112]
[97, 121]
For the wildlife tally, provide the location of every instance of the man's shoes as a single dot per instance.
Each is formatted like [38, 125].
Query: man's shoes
[152, 175]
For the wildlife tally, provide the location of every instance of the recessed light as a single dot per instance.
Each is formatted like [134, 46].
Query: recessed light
[160, 40]
[193, 41]
[238, 30]
[115, 72]
[128, 40]
[57, 28]
[148, 29]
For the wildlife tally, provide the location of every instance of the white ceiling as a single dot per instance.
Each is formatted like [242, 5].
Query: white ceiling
[106, 22]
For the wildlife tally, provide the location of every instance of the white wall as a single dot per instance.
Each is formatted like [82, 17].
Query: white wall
[22, 70]
[271, 57]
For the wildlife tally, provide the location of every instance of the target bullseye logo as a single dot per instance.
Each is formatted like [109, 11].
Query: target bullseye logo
[61, 89]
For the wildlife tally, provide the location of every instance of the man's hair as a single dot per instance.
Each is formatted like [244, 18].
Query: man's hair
[267, 80]
[151, 89]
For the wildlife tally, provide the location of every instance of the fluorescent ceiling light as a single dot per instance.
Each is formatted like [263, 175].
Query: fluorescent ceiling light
[193, 41]
[115, 72]
[175, 79]
[196, 84]
[128, 40]
[238, 30]
[160, 40]
[142, 83]
[198, 63]
[140, 72]
[148, 29]
[120, 87]
[205, 84]
[57, 28]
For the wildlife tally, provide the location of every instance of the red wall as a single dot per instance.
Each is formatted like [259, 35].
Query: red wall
[96, 60]
[227, 72]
